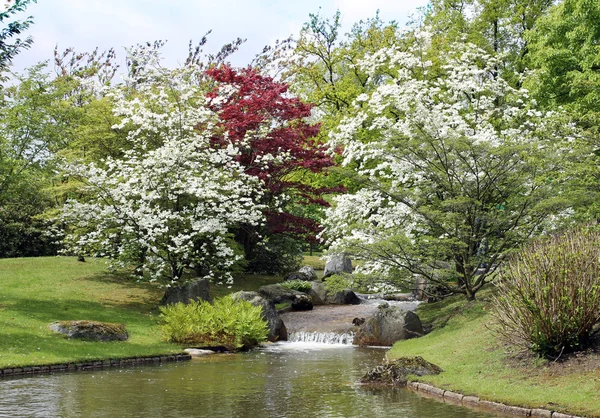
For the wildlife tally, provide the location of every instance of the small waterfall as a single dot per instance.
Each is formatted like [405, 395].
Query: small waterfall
[345, 338]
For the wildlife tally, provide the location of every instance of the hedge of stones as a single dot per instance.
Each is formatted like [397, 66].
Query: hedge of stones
[474, 402]
[89, 365]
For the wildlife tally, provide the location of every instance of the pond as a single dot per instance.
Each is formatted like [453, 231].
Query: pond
[283, 380]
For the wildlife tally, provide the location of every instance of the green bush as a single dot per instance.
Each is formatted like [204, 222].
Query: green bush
[338, 282]
[299, 285]
[234, 324]
[277, 254]
[549, 294]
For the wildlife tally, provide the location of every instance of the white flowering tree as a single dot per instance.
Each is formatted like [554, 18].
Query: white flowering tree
[170, 203]
[455, 168]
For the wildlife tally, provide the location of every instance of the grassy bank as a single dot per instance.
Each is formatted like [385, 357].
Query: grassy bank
[37, 291]
[476, 363]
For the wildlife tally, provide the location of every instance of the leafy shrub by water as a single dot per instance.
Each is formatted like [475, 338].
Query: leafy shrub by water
[338, 282]
[234, 324]
[299, 285]
[549, 294]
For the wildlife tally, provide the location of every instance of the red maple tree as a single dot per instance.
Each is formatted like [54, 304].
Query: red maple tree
[277, 144]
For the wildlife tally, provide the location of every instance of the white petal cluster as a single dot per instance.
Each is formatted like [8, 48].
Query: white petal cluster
[172, 200]
[426, 146]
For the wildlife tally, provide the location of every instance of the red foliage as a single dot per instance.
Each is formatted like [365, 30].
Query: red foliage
[263, 119]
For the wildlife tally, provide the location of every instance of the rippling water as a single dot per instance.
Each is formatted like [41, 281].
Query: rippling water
[283, 380]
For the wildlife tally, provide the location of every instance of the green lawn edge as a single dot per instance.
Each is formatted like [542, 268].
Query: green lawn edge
[476, 363]
[37, 291]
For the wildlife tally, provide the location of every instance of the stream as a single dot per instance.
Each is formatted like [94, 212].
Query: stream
[288, 379]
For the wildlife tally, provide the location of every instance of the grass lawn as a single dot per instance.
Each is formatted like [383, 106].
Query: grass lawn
[476, 363]
[37, 291]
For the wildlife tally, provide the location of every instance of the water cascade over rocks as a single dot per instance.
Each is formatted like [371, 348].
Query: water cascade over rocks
[344, 338]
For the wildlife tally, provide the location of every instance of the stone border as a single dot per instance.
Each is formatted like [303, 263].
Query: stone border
[473, 402]
[90, 365]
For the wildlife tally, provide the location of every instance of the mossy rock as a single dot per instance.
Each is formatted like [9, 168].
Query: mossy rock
[395, 372]
[91, 330]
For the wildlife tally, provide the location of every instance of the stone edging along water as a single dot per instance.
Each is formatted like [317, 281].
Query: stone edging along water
[474, 402]
[89, 365]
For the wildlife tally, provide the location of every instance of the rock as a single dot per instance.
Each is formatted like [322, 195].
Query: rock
[344, 297]
[91, 330]
[388, 325]
[358, 321]
[277, 329]
[310, 272]
[395, 372]
[321, 296]
[318, 293]
[337, 264]
[197, 290]
[302, 302]
[198, 352]
[298, 275]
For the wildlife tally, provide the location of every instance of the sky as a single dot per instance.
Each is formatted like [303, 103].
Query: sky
[86, 24]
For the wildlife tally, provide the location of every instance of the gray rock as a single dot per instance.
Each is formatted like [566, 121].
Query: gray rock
[198, 352]
[302, 302]
[278, 293]
[345, 297]
[297, 275]
[395, 372]
[197, 290]
[277, 329]
[318, 293]
[91, 330]
[388, 325]
[310, 272]
[337, 264]
[321, 296]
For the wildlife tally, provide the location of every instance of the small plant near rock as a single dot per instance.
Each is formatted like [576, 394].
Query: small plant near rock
[234, 324]
[549, 294]
[299, 285]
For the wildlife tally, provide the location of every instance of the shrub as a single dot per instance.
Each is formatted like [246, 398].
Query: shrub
[299, 285]
[549, 294]
[234, 324]
[338, 282]
[279, 254]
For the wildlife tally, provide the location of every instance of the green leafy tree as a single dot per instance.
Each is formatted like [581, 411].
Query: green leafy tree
[456, 169]
[11, 30]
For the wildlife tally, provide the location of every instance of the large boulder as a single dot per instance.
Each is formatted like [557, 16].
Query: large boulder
[297, 275]
[91, 330]
[310, 272]
[321, 296]
[395, 372]
[279, 294]
[337, 264]
[197, 290]
[277, 329]
[388, 325]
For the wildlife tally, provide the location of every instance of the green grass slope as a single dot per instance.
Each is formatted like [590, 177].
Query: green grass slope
[37, 291]
[476, 363]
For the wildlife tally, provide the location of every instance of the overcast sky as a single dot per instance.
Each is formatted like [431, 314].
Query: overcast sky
[85, 24]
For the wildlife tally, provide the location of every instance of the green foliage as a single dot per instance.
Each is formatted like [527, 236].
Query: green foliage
[549, 298]
[338, 282]
[276, 254]
[227, 322]
[299, 285]
[564, 50]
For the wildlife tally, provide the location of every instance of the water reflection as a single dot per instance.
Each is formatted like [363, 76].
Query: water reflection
[284, 380]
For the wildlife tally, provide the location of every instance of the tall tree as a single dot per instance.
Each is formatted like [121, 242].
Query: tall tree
[278, 146]
[457, 168]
